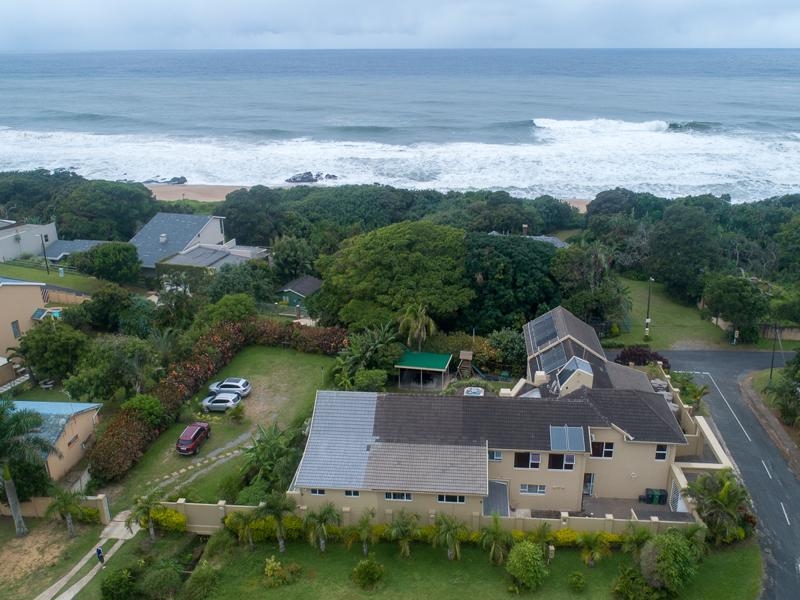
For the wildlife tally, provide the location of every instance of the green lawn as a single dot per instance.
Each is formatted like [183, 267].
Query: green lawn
[50, 535]
[38, 394]
[727, 575]
[80, 283]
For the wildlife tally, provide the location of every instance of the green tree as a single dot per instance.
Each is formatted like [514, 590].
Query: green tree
[103, 312]
[292, 257]
[723, 504]
[668, 562]
[366, 534]
[526, 565]
[784, 392]
[254, 278]
[416, 325]
[278, 505]
[115, 261]
[234, 308]
[19, 439]
[142, 512]
[448, 533]
[402, 529]
[594, 547]
[243, 521]
[634, 540]
[66, 504]
[497, 540]
[318, 522]
[788, 240]
[374, 349]
[273, 456]
[52, 349]
[397, 266]
[737, 300]
[251, 215]
[510, 345]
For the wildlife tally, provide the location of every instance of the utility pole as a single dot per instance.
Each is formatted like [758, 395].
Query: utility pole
[647, 317]
[774, 342]
[44, 253]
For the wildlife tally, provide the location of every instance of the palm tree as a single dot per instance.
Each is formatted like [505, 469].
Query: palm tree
[278, 505]
[142, 512]
[416, 324]
[19, 440]
[634, 540]
[164, 342]
[66, 504]
[723, 504]
[497, 540]
[448, 531]
[242, 521]
[272, 457]
[594, 547]
[318, 522]
[541, 535]
[364, 530]
[697, 398]
[403, 528]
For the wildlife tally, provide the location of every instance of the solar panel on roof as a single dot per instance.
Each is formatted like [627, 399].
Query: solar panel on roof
[544, 330]
[553, 358]
[567, 439]
[575, 439]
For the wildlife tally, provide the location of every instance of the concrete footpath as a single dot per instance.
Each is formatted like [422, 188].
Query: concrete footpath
[115, 530]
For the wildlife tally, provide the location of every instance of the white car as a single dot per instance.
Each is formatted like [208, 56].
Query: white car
[231, 384]
[220, 402]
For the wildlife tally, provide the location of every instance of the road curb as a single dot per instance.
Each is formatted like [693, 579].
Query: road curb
[783, 442]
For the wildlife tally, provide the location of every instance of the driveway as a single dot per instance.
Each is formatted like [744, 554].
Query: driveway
[774, 488]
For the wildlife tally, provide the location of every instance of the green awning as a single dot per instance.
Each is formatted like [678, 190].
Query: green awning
[424, 361]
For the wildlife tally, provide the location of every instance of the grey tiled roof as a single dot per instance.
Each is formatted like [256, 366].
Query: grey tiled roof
[427, 468]
[203, 256]
[60, 248]
[305, 285]
[181, 231]
[338, 441]
[626, 378]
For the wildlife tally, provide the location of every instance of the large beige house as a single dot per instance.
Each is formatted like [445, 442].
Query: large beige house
[19, 300]
[580, 428]
[69, 427]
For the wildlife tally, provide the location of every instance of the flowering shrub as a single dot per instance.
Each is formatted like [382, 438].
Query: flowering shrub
[565, 537]
[168, 519]
[121, 446]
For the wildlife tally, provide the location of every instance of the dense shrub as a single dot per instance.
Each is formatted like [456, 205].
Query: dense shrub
[120, 446]
[484, 355]
[368, 573]
[576, 581]
[162, 582]
[220, 543]
[149, 409]
[370, 380]
[119, 584]
[278, 574]
[567, 538]
[526, 565]
[640, 356]
[201, 584]
[88, 515]
[168, 519]
[668, 561]
[630, 585]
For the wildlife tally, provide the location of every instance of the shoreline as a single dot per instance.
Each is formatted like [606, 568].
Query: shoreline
[202, 192]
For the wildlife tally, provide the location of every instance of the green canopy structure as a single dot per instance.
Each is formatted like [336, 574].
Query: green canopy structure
[424, 370]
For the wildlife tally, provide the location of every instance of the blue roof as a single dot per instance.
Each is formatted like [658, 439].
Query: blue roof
[61, 248]
[54, 415]
[180, 230]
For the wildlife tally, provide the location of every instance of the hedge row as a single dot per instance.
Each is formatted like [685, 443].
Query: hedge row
[128, 435]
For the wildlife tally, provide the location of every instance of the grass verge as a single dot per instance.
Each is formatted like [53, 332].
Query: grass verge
[80, 283]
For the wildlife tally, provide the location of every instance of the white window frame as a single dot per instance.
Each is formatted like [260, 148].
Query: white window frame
[538, 461]
[665, 452]
[451, 499]
[532, 489]
[607, 453]
[566, 465]
[316, 491]
[398, 496]
[352, 493]
[495, 455]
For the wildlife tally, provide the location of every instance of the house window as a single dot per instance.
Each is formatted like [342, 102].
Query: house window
[15, 329]
[526, 460]
[73, 440]
[398, 496]
[495, 455]
[451, 499]
[602, 449]
[352, 493]
[46, 238]
[561, 462]
[661, 452]
[534, 489]
[317, 492]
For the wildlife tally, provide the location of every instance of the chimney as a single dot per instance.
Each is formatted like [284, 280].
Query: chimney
[525, 229]
[162, 239]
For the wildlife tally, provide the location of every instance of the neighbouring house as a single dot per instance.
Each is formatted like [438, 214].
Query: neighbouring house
[21, 240]
[61, 249]
[69, 427]
[212, 257]
[19, 302]
[297, 290]
[167, 234]
[579, 435]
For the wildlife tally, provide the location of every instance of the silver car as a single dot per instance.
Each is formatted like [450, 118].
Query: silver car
[231, 384]
[220, 402]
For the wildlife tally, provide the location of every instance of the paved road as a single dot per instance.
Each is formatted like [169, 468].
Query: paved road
[774, 488]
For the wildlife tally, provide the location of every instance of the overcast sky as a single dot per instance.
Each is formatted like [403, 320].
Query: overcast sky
[34, 25]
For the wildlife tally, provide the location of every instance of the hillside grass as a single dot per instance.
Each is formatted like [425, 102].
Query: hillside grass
[80, 283]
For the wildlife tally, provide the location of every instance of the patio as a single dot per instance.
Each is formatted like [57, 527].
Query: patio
[626, 508]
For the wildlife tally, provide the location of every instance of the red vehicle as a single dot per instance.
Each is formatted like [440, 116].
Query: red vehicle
[193, 437]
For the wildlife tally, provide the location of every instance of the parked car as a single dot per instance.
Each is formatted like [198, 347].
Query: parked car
[220, 402]
[231, 384]
[193, 437]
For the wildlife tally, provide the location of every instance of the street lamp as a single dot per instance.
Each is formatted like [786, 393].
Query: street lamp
[647, 317]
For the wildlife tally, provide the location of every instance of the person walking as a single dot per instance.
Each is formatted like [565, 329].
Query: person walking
[100, 556]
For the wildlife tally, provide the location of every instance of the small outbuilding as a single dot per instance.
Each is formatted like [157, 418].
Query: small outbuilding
[296, 291]
[424, 370]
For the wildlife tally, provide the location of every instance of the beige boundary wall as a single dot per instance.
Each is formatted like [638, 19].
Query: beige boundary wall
[37, 506]
[205, 519]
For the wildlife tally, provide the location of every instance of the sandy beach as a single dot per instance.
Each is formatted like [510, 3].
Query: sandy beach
[217, 193]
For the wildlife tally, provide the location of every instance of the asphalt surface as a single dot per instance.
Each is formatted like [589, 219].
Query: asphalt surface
[774, 488]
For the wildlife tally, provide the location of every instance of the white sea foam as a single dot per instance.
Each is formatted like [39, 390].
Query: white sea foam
[567, 159]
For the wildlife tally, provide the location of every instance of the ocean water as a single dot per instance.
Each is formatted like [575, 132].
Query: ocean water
[569, 123]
